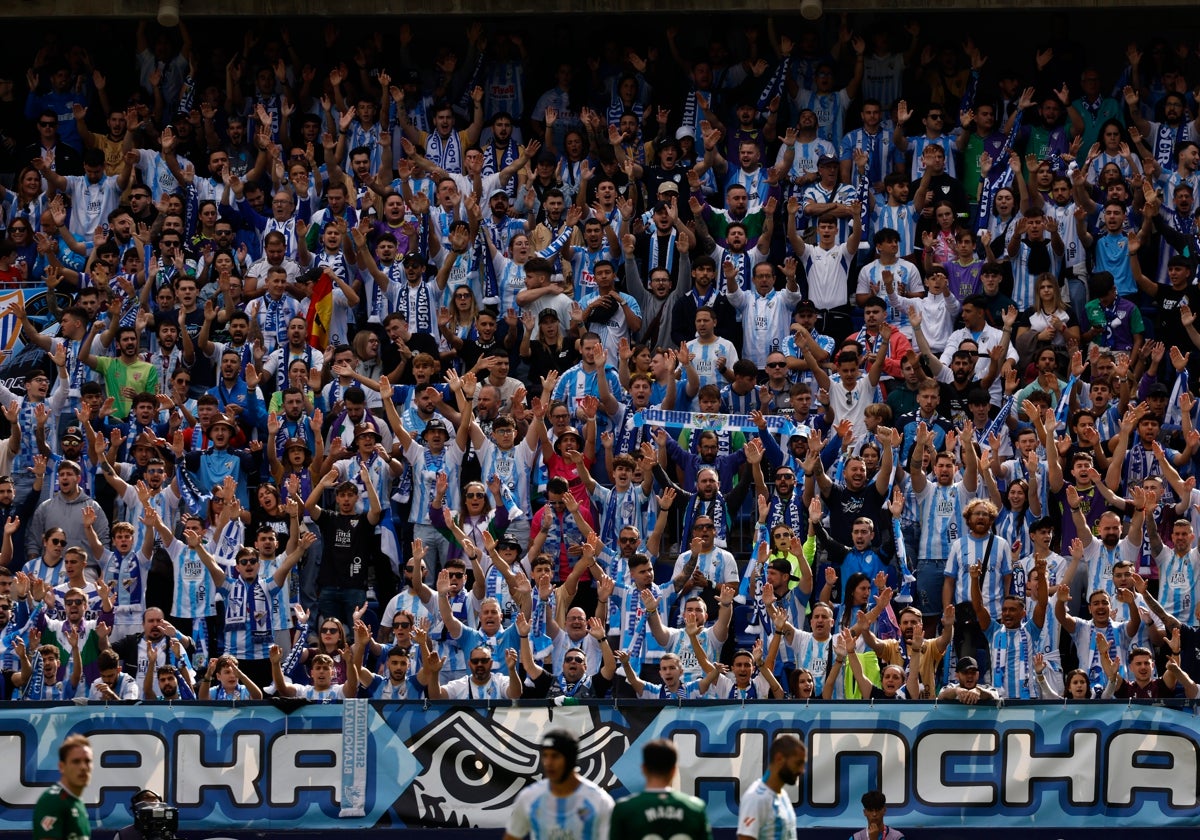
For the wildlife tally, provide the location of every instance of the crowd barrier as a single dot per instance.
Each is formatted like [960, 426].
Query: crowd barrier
[460, 765]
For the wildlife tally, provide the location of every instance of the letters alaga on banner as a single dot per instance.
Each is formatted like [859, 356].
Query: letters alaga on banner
[462, 765]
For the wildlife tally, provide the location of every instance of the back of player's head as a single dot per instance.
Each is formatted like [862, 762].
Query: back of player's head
[659, 757]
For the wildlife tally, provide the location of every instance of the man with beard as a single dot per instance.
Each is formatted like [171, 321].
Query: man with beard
[705, 292]
[562, 804]
[766, 811]
[126, 374]
[1015, 639]
[66, 507]
[481, 682]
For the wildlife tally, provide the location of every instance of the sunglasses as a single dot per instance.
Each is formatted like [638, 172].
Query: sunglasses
[47, 124]
[74, 602]
[776, 364]
[474, 495]
[628, 540]
[463, 296]
[329, 630]
[248, 561]
[402, 625]
[476, 660]
[574, 660]
[456, 574]
[55, 541]
[703, 527]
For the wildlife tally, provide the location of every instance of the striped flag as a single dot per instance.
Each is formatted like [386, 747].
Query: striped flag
[320, 311]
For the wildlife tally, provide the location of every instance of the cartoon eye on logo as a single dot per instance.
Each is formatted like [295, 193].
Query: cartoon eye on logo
[475, 767]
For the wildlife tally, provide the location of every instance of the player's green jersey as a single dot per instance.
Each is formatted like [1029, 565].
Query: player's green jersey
[60, 816]
[663, 814]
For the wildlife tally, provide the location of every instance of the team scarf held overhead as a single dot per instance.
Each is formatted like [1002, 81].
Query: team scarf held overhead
[1166, 139]
[999, 176]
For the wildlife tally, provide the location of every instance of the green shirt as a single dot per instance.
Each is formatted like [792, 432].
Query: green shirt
[660, 813]
[60, 816]
[140, 376]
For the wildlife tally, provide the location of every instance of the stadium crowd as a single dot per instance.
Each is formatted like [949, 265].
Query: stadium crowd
[778, 366]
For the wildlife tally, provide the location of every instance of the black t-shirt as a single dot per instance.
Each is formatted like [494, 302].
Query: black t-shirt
[281, 524]
[1169, 328]
[845, 506]
[543, 359]
[953, 403]
[350, 545]
[547, 685]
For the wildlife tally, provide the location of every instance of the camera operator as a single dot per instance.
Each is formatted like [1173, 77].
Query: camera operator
[153, 819]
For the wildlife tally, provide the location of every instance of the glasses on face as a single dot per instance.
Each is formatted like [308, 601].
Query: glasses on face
[74, 602]
[628, 540]
[479, 660]
[474, 495]
[402, 625]
[504, 431]
[56, 541]
[46, 124]
[18, 229]
[462, 295]
[776, 364]
[574, 660]
[784, 477]
[248, 561]
[703, 527]
[329, 629]
[453, 575]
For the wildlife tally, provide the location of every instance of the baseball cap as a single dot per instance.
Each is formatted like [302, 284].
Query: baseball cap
[436, 425]
[497, 192]
[806, 305]
[73, 433]
[295, 443]
[684, 131]
[781, 565]
[826, 159]
[1158, 389]
[967, 663]
[668, 187]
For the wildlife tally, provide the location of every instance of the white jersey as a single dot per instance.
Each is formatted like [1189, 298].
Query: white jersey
[540, 815]
[765, 320]
[704, 359]
[765, 814]
[1100, 560]
[827, 273]
[464, 688]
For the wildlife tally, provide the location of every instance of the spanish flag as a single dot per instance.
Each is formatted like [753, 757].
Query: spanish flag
[320, 310]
